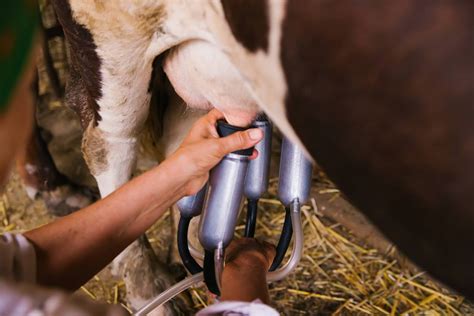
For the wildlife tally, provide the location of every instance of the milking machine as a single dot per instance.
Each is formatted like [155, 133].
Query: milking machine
[220, 201]
[256, 180]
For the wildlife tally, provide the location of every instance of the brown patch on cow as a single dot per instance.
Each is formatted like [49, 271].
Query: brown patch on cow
[85, 64]
[78, 99]
[95, 150]
[381, 95]
[249, 22]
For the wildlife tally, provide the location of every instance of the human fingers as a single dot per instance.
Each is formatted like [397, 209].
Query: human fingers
[254, 155]
[204, 127]
[247, 250]
[213, 116]
[268, 250]
[239, 141]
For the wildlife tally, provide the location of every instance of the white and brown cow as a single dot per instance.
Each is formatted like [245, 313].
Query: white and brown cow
[379, 93]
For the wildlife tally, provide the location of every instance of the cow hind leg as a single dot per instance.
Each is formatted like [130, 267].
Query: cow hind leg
[178, 120]
[41, 178]
[108, 89]
[112, 161]
[111, 155]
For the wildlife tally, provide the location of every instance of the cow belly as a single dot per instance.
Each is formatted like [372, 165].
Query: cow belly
[204, 78]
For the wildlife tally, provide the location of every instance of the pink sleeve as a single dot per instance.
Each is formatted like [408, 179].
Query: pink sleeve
[255, 308]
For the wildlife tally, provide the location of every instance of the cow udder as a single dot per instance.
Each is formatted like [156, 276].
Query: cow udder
[204, 78]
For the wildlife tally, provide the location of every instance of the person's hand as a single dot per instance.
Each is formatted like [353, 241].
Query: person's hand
[244, 275]
[250, 252]
[202, 149]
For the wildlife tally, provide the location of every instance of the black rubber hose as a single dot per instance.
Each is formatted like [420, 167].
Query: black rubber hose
[252, 206]
[191, 265]
[210, 273]
[284, 241]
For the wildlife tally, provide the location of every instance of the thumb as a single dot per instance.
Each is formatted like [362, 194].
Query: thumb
[240, 140]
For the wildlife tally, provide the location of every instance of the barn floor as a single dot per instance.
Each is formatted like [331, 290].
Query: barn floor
[338, 274]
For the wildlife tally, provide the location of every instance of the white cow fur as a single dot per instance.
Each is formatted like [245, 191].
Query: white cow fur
[207, 66]
[127, 48]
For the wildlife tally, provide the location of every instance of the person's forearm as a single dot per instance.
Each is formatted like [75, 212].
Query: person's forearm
[72, 249]
[245, 282]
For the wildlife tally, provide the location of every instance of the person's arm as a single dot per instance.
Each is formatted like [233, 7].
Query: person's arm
[244, 275]
[72, 249]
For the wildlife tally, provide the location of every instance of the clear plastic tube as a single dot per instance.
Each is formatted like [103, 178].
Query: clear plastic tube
[271, 276]
[297, 246]
[170, 293]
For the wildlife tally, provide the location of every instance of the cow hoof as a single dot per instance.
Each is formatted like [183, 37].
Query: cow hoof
[67, 199]
[146, 277]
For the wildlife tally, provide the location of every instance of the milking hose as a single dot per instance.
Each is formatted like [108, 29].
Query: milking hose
[183, 246]
[251, 221]
[271, 276]
[170, 293]
[295, 212]
[284, 241]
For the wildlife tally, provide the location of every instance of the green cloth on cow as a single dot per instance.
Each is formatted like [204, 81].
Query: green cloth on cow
[18, 22]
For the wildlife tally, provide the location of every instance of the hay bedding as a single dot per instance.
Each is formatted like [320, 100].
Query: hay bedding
[337, 275]
[340, 276]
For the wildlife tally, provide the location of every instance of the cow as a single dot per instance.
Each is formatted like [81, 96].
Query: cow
[380, 94]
